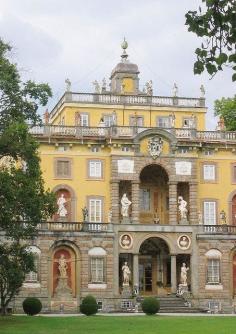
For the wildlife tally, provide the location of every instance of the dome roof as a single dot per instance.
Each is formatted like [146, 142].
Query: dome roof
[125, 67]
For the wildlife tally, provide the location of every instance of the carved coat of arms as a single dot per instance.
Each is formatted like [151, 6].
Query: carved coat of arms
[155, 145]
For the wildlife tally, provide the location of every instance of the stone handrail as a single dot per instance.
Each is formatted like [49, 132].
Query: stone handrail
[74, 226]
[108, 98]
[127, 131]
[218, 229]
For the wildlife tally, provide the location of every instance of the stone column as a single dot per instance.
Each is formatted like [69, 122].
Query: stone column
[115, 202]
[135, 270]
[116, 266]
[173, 274]
[173, 205]
[135, 202]
[193, 214]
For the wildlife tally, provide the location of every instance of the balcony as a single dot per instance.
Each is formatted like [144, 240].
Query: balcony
[79, 132]
[74, 227]
[112, 99]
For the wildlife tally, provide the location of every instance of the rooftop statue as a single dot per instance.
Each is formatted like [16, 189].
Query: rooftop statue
[68, 85]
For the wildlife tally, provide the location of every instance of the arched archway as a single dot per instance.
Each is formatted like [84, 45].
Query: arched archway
[154, 195]
[66, 203]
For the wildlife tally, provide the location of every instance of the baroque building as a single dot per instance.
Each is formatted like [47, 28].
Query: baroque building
[146, 199]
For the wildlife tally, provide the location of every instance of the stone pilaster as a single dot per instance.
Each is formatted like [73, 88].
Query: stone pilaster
[193, 214]
[135, 202]
[173, 205]
[173, 274]
[135, 271]
[115, 201]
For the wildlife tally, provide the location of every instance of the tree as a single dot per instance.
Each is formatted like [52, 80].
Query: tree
[215, 22]
[24, 202]
[226, 109]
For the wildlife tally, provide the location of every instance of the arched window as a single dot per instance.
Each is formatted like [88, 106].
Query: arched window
[213, 266]
[33, 276]
[97, 257]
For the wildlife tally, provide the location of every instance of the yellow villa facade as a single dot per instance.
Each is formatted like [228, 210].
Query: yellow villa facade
[146, 200]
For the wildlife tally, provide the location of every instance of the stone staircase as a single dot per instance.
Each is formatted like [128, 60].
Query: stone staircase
[173, 304]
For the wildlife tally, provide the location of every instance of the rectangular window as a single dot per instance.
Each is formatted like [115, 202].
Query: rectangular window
[108, 120]
[95, 169]
[213, 271]
[163, 122]
[31, 277]
[234, 173]
[209, 213]
[95, 210]
[209, 172]
[136, 121]
[84, 119]
[97, 269]
[145, 199]
[63, 168]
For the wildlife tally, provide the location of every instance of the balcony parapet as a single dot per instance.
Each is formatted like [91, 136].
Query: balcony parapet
[75, 227]
[217, 229]
[113, 99]
[112, 132]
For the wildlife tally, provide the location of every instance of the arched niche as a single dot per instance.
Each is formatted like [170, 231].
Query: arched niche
[69, 203]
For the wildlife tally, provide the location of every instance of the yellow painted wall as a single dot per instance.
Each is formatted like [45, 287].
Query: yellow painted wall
[128, 85]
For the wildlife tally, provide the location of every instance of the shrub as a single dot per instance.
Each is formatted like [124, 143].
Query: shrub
[89, 305]
[150, 305]
[32, 305]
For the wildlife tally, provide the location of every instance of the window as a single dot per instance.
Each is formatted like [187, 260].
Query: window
[145, 199]
[136, 121]
[97, 269]
[95, 210]
[183, 150]
[208, 152]
[163, 122]
[100, 305]
[95, 169]
[209, 172]
[234, 173]
[95, 149]
[33, 276]
[209, 208]
[108, 120]
[125, 148]
[213, 271]
[63, 168]
[84, 119]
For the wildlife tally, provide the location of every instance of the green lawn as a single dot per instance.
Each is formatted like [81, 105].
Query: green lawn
[117, 325]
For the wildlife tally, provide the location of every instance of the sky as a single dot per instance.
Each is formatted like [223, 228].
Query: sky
[56, 39]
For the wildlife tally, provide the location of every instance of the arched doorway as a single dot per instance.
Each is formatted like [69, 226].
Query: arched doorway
[234, 210]
[154, 267]
[154, 195]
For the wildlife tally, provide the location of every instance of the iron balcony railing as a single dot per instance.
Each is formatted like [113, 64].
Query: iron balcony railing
[113, 99]
[127, 132]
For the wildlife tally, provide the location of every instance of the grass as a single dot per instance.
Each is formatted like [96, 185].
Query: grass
[117, 325]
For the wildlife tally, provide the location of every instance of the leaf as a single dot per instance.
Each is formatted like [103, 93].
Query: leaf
[234, 77]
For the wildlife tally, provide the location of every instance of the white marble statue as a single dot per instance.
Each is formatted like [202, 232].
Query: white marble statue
[96, 86]
[126, 274]
[149, 87]
[62, 212]
[62, 266]
[104, 84]
[114, 118]
[68, 85]
[203, 92]
[175, 90]
[184, 274]
[182, 207]
[172, 120]
[125, 204]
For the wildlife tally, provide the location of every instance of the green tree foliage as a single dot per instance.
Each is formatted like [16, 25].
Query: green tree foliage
[15, 262]
[215, 22]
[24, 202]
[226, 108]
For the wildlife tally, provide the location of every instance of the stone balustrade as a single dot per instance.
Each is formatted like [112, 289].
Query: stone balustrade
[75, 226]
[108, 98]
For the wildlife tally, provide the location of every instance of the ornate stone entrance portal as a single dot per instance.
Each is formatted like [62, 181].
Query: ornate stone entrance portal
[154, 267]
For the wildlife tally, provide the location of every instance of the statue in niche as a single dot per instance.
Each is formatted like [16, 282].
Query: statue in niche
[184, 274]
[62, 266]
[96, 87]
[68, 85]
[62, 212]
[182, 207]
[125, 204]
[126, 274]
